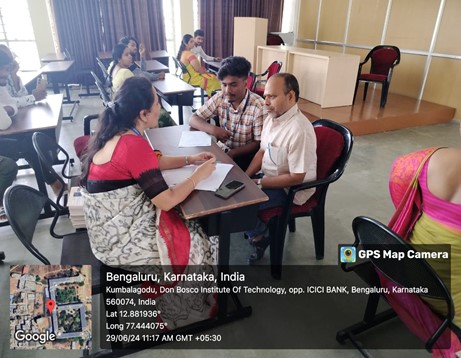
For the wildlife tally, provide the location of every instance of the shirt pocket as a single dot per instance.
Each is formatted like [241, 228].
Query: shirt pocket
[278, 156]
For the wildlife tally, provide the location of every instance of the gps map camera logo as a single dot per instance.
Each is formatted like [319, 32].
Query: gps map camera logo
[347, 254]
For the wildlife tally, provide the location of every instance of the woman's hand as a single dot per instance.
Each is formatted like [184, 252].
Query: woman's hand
[204, 170]
[201, 157]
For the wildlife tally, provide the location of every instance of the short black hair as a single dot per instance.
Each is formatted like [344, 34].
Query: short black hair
[291, 83]
[234, 66]
[199, 32]
[5, 59]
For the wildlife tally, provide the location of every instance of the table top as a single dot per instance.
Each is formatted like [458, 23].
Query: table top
[158, 53]
[172, 85]
[214, 64]
[52, 57]
[28, 77]
[154, 66]
[202, 203]
[45, 114]
[57, 66]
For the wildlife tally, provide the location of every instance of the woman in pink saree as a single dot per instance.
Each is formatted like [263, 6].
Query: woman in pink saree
[425, 187]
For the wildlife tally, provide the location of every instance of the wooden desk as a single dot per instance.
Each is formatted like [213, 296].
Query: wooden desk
[177, 92]
[326, 78]
[213, 66]
[52, 57]
[45, 117]
[154, 66]
[161, 56]
[29, 79]
[58, 72]
[236, 214]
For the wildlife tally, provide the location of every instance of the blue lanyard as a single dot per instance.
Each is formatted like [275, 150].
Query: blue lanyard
[134, 129]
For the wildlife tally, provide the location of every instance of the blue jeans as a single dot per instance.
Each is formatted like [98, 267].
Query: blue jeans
[277, 197]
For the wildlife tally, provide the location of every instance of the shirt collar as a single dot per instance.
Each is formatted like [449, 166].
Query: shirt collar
[287, 115]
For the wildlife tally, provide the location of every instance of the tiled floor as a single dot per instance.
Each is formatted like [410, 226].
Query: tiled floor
[361, 191]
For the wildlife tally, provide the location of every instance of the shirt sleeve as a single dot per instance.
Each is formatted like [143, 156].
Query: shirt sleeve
[7, 101]
[24, 101]
[5, 120]
[203, 55]
[260, 115]
[302, 150]
[210, 108]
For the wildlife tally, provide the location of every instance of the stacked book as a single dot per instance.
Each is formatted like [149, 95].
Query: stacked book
[75, 205]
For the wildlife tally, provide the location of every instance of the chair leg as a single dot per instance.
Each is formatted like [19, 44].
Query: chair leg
[292, 225]
[365, 90]
[355, 91]
[318, 227]
[276, 248]
[384, 94]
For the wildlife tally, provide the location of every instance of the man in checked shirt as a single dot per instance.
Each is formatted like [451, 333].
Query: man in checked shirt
[239, 113]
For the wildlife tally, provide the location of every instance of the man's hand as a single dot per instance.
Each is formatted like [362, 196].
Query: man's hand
[218, 59]
[161, 75]
[220, 133]
[39, 94]
[142, 50]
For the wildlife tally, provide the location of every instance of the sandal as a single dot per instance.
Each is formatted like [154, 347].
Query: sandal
[259, 249]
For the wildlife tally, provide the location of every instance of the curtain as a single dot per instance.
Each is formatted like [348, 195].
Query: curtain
[142, 19]
[78, 28]
[217, 20]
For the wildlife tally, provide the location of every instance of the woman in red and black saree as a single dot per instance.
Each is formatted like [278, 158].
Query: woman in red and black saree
[130, 210]
[425, 187]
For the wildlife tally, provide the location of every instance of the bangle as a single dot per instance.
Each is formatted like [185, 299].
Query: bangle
[187, 160]
[192, 180]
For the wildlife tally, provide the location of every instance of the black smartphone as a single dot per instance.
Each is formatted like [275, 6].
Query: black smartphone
[229, 189]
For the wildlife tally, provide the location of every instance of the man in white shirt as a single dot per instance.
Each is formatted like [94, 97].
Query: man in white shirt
[8, 167]
[287, 155]
[199, 36]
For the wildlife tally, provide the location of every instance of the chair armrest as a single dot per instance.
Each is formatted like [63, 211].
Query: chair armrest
[87, 123]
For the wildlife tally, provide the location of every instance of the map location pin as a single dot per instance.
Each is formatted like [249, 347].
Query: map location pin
[50, 304]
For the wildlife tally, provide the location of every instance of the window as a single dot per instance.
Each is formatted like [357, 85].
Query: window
[172, 20]
[17, 33]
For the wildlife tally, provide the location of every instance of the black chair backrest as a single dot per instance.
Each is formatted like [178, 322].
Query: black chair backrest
[87, 123]
[67, 55]
[48, 152]
[181, 69]
[372, 234]
[103, 69]
[23, 206]
[383, 59]
[251, 81]
[105, 96]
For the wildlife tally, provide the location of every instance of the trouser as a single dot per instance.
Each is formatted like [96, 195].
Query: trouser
[15, 149]
[8, 171]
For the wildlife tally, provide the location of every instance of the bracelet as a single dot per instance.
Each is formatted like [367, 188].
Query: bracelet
[193, 181]
[187, 160]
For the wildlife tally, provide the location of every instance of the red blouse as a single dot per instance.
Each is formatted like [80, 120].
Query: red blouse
[133, 161]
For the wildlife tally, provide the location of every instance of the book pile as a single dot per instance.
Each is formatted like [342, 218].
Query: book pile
[75, 205]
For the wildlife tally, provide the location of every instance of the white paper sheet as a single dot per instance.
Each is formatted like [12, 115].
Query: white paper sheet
[194, 139]
[212, 183]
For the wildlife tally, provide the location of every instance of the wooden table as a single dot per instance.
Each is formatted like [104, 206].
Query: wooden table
[59, 72]
[325, 77]
[177, 92]
[154, 66]
[52, 57]
[161, 56]
[223, 216]
[45, 117]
